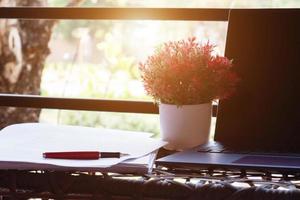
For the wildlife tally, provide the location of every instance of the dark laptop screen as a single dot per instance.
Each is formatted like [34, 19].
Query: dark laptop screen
[264, 112]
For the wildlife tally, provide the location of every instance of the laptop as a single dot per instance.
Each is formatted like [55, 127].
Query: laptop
[259, 126]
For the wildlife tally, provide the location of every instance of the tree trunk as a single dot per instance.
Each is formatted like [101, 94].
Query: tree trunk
[23, 51]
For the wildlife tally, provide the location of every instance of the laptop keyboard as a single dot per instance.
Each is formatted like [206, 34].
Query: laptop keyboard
[215, 147]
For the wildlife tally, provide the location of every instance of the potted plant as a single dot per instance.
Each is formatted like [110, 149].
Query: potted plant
[184, 77]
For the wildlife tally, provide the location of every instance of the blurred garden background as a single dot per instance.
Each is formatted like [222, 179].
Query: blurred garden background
[99, 58]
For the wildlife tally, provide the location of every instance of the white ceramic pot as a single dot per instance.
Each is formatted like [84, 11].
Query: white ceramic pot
[186, 126]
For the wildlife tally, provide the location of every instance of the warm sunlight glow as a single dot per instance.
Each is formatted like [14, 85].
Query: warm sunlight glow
[146, 34]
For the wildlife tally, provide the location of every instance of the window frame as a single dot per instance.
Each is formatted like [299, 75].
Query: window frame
[80, 13]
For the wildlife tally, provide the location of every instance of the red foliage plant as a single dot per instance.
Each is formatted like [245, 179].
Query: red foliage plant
[186, 72]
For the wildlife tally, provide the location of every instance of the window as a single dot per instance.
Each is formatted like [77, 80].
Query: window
[99, 58]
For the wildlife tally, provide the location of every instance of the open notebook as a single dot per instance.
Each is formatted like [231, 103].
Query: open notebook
[141, 165]
[22, 146]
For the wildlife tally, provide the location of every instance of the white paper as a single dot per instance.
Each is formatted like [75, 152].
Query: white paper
[27, 142]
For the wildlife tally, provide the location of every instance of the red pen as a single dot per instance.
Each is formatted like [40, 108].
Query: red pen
[83, 155]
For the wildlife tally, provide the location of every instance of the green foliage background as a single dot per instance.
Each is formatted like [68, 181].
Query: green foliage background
[109, 69]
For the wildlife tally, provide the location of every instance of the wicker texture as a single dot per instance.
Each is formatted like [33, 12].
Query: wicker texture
[63, 185]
